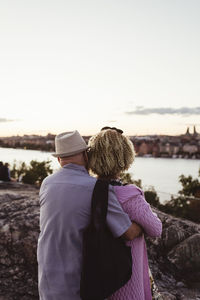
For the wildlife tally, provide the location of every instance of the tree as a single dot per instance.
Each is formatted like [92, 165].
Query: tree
[152, 197]
[127, 178]
[32, 174]
[187, 205]
[37, 171]
[19, 170]
[190, 186]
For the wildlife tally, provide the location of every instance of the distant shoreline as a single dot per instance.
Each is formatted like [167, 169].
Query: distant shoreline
[138, 156]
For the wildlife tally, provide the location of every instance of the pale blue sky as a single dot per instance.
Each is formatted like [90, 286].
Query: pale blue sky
[82, 65]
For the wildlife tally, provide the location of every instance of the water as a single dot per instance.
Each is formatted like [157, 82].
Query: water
[162, 173]
[10, 155]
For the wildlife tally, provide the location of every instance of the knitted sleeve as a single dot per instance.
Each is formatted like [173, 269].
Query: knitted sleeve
[138, 209]
[140, 212]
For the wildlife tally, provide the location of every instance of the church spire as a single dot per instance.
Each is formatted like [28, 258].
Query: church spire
[188, 131]
[195, 132]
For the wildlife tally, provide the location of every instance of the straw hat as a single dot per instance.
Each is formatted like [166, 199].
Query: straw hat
[69, 143]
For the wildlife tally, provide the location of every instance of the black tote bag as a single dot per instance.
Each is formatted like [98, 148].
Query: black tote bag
[107, 261]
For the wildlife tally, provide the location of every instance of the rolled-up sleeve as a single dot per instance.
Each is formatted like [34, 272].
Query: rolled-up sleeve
[118, 221]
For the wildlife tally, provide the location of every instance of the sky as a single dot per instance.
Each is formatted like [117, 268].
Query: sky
[132, 64]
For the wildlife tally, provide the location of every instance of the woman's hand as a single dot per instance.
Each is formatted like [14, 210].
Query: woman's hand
[133, 231]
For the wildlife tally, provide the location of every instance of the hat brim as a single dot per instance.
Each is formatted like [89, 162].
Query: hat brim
[70, 153]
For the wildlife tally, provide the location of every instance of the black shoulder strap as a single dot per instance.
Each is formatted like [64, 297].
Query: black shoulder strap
[100, 201]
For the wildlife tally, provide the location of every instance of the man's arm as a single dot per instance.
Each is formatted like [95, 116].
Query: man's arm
[133, 231]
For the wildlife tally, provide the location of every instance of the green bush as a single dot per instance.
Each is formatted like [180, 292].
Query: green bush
[152, 197]
[190, 186]
[18, 170]
[182, 207]
[127, 178]
[32, 174]
[187, 205]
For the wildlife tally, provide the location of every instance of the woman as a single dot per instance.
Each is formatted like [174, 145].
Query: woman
[110, 154]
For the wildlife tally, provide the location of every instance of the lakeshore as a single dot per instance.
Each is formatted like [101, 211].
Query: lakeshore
[163, 146]
[161, 173]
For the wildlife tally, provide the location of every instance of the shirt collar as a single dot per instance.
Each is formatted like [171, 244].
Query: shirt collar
[75, 167]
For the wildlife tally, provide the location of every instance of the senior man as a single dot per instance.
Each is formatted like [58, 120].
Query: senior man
[65, 205]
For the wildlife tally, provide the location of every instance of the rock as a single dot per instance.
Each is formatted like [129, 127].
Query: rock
[10, 185]
[168, 296]
[186, 255]
[174, 258]
[19, 229]
[174, 255]
[172, 236]
[180, 284]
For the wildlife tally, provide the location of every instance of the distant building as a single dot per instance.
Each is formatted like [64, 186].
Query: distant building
[191, 149]
[193, 135]
[143, 149]
[186, 145]
[188, 132]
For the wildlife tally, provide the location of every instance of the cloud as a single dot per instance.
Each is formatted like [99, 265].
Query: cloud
[184, 111]
[4, 120]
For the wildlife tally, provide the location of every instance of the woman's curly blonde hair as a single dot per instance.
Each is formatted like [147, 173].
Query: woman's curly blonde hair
[110, 153]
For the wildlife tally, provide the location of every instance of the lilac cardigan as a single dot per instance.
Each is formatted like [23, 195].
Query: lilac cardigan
[134, 204]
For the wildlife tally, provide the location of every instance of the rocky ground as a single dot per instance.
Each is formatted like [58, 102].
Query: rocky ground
[174, 259]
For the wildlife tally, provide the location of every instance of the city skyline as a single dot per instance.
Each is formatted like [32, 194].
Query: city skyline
[182, 146]
[73, 65]
[191, 130]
